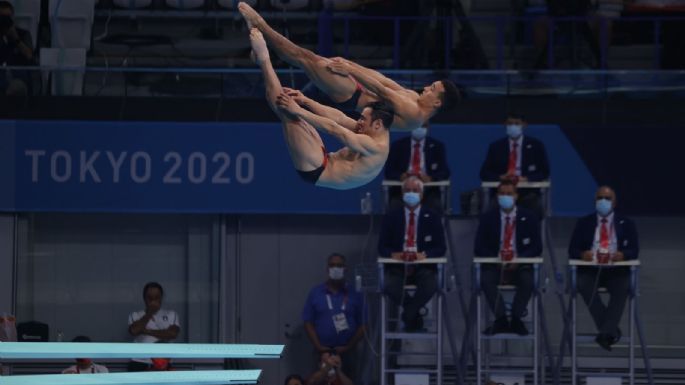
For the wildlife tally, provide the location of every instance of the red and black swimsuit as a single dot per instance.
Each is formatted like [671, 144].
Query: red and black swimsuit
[314, 175]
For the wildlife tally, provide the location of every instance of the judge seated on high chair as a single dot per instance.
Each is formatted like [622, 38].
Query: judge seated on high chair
[409, 233]
[508, 231]
[604, 237]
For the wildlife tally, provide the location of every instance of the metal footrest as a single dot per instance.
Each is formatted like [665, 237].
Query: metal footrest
[509, 371]
[590, 339]
[507, 336]
[424, 354]
[412, 371]
[603, 374]
[411, 336]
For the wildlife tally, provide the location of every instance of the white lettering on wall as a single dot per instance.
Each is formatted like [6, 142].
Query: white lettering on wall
[35, 156]
[146, 167]
[87, 163]
[66, 166]
[196, 167]
[244, 167]
[116, 164]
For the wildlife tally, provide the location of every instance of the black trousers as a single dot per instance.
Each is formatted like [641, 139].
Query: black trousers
[425, 279]
[617, 282]
[521, 277]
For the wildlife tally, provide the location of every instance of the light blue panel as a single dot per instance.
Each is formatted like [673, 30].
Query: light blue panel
[208, 377]
[53, 350]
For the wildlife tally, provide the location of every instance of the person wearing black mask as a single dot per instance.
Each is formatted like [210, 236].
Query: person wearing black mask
[15, 50]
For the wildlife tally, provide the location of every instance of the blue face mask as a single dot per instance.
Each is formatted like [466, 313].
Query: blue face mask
[419, 133]
[604, 207]
[514, 130]
[506, 202]
[411, 198]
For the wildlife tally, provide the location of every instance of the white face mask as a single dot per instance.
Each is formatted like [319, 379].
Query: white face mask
[419, 133]
[336, 273]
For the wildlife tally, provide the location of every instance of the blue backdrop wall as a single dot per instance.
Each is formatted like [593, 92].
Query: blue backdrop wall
[92, 166]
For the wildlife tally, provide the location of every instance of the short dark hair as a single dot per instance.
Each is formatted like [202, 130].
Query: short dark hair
[151, 285]
[293, 377]
[506, 182]
[6, 5]
[451, 96]
[81, 339]
[382, 111]
[516, 115]
[331, 255]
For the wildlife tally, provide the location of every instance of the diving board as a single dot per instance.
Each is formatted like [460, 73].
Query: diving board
[57, 350]
[200, 377]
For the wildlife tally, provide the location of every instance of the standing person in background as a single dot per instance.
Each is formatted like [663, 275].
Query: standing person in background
[152, 325]
[335, 316]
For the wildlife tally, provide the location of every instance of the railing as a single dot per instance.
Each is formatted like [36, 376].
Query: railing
[557, 34]
[248, 83]
[510, 34]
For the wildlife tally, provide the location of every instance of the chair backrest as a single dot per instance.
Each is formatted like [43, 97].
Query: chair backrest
[33, 331]
[290, 5]
[27, 16]
[233, 4]
[132, 4]
[72, 22]
[63, 82]
[185, 4]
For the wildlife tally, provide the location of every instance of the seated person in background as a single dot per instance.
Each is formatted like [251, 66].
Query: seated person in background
[15, 50]
[84, 365]
[421, 156]
[411, 232]
[330, 372]
[152, 325]
[294, 379]
[517, 158]
[335, 315]
[508, 232]
[604, 237]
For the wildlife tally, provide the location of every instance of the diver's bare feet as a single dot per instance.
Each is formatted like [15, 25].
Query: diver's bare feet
[260, 53]
[251, 16]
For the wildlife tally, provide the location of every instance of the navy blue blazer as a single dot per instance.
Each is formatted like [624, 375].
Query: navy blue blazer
[534, 163]
[528, 234]
[433, 153]
[584, 236]
[430, 234]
